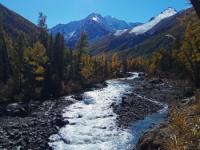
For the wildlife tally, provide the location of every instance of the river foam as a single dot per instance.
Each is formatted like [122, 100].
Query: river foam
[93, 123]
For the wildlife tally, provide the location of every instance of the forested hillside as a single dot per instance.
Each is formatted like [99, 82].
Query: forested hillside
[14, 24]
[166, 39]
[181, 59]
[41, 66]
[165, 34]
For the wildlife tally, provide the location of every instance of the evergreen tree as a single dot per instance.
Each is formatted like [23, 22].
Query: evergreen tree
[4, 61]
[19, 61]
[43, 35]
[58, 63]
[70, 67]
[48, 77]
[82, 49]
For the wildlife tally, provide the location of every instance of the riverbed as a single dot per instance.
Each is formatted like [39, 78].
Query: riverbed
[93, 122]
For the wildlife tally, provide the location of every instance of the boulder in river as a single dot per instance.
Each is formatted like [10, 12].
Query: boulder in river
[16, 109]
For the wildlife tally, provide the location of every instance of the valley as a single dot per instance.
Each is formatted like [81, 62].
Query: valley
[99, 81]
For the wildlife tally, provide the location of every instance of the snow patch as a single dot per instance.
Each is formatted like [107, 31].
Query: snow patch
[149, 25]
[71, 34]
[120, 32]
[95, 18]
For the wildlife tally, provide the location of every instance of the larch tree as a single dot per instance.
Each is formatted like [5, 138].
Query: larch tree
[115, 64]
[190, 51]
[36, 60]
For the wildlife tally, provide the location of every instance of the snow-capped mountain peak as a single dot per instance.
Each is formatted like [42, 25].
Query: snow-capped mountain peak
[169, 11]
[95, 18]
[154, 21]
[94, 25]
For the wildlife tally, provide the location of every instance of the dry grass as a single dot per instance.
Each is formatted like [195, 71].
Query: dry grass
[186, 130]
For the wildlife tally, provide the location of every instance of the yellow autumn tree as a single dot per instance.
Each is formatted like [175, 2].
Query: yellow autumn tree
[189, 54]
[36, 59]
[115, 64]
[87, 70]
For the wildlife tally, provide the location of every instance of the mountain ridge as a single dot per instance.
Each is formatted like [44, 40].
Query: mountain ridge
[15, 24]
[126, 39]
[101, 25]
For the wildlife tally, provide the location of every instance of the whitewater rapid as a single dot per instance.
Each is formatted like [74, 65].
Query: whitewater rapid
[92, 122]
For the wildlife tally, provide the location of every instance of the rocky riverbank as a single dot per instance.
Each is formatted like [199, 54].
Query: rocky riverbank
[181, 131]
[29, 125]
[33, 130]
[162, 90]
[139, 104]
[136, 105]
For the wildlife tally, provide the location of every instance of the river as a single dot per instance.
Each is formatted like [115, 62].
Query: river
[93, 123]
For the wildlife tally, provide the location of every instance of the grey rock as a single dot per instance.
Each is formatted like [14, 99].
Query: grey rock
[16, 109]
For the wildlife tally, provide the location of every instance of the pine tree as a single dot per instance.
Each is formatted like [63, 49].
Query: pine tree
[43, 35]
[58, 64]
[48, 89]
[82, 49]
[4, 61]
[19, 61]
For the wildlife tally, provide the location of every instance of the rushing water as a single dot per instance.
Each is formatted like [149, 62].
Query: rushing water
[93, 122]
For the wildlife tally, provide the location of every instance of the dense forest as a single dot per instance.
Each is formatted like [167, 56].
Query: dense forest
[45, 67]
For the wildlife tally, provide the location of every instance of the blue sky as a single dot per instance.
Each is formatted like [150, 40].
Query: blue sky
[64, 11]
